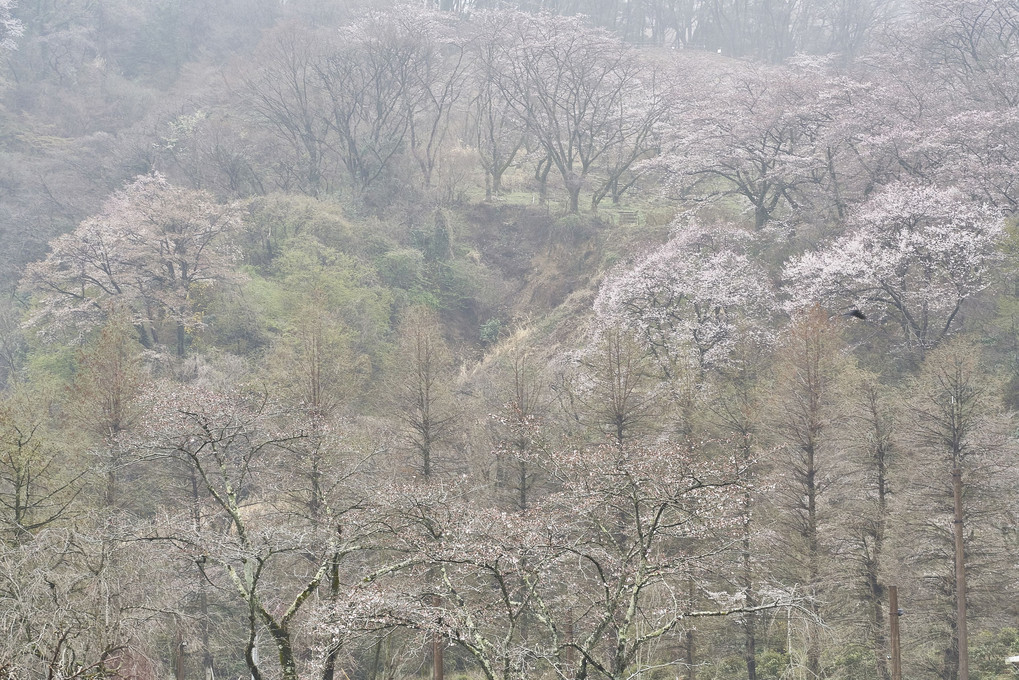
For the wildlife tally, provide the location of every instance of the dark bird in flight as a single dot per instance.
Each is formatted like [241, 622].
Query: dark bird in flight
[856, 314]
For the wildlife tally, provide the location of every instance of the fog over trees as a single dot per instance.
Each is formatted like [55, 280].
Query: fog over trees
[533, 340]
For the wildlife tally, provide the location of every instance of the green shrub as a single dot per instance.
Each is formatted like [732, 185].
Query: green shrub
[988, 652]
[491, 331]
[771, 664]
[401, 268]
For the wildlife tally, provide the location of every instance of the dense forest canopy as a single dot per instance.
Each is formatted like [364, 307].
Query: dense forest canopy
[578, 339]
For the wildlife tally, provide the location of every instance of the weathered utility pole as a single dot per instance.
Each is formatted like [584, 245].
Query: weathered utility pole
[893, 618]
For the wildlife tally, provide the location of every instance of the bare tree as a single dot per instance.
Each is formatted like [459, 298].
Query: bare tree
[37, 486]
[642, 529]
[805, 420]
[105, 401]
[571, 84]
[286, 93]
[498, 130]
[274, 547]
[423, 396]
[956, 433]
[522, 433]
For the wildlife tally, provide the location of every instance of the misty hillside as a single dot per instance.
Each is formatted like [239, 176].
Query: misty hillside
[551, 339]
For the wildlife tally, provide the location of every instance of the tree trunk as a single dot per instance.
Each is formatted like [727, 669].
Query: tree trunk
[814, 558]
[181, 339]
[329, 668]
[284, 648]
[691, 644]
[574, 193]
[960, 579]
[110, 494]
[573, 184]
[496, 175]
[750, 618]
[879, 642]
[179, 656]
[208, 670]
[541, 175]
[877, 532]
[523, 486]
[208, 667]
[760, 214]
[893, 616]
[438, 669]
[251, 648]
[376, 664]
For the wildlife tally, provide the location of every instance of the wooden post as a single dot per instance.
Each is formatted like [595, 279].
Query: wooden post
[179, 655]
[893, 618]
[960, 578]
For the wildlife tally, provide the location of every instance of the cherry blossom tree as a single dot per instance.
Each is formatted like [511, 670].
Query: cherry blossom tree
[391, 89]
[78, 605]
[440, 81]
[636, 136]
[914, 256]
[907, 122]
[226, 445]
[738, 133]
[151, 250]
[942, 109]
[976, 151]
[380, 91]
[693, 296]
[842, 157]
[589, 580]
[10, 27]
[788, 139]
